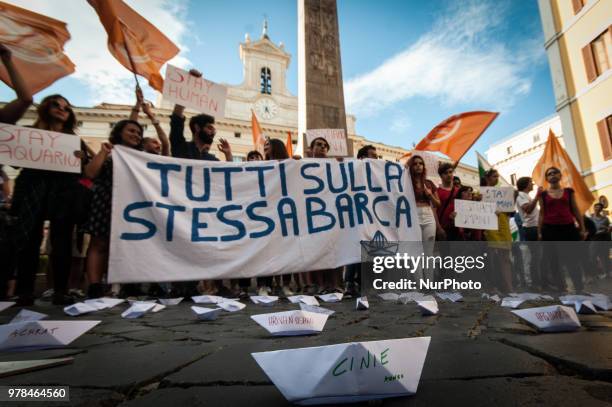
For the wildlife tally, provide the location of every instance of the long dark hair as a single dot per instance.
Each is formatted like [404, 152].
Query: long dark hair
[115, 135]
[410, 163]
[44, 117]
[277, 150]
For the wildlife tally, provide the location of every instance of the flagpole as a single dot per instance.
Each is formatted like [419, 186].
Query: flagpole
[129, 54]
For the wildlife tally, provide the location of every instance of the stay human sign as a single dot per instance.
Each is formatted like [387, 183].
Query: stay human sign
[194, 92]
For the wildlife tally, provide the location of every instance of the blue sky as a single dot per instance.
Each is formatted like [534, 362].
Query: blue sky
[407, 64]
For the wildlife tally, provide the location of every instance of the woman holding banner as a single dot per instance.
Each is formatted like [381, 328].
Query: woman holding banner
[500, 240]
[40, 195]
[127, 133]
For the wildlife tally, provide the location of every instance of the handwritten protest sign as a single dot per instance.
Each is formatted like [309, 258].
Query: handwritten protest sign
[503, 197]
[176, 219]
[475, 215]
[194, 93]
[335, 137]
[34, 148]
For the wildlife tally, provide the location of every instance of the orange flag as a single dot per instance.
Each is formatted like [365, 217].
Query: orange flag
[258, 137]
[455, 135]
[289, 145]
[555, 156]
[36, 43]
[133, 41]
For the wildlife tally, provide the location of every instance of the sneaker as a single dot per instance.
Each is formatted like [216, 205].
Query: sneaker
[287, 291]
[47, 295]
[243, 294]
[263, 291]
[74, 292]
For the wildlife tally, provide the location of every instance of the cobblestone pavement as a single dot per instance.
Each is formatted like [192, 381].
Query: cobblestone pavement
[480, 355]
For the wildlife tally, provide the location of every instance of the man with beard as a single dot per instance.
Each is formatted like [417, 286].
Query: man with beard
[203, 132]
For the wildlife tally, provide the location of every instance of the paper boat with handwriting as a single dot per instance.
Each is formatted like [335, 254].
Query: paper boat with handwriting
[554, 318]
[347, 372]
[42, 334]
[291, 323]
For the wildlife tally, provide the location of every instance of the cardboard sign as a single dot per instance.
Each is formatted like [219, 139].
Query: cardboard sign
[40, 149]
[475, 215]
[194, 93]
[336, 138]
[502, 197]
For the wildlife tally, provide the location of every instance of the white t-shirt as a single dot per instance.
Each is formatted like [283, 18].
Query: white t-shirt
[529, 219]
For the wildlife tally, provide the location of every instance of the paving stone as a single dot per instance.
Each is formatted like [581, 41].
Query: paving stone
[117, 366]
[479, 358]
[217, 396]
[558, 391]
[587, 353]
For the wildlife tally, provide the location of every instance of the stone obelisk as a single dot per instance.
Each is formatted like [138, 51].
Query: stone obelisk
[320, 91]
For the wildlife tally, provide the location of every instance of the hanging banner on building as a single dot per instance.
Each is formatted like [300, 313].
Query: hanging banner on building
[336, 138]
[176, 219]
[194, 92]
[34, 148]
[502, 197]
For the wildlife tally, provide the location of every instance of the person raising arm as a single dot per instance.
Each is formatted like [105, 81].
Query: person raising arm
[13, 111]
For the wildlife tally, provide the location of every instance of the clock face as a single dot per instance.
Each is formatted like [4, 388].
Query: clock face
[266, 108]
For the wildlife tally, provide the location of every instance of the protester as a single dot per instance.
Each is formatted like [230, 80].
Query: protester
[275, 149]
[127, 133]
[601, 253]
[12, 111]
[322, 281]
[557, 222]
[529, 214]
[352, 278]
[202, 127]
[447, 192]
[500, 240]
[464, 234]
[426, 197]
[40, 195]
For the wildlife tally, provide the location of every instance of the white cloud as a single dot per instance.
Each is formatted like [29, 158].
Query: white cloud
[400, 123]
[459, 61]
[96, 68]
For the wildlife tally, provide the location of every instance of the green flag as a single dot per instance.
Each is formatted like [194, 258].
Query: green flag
[484, 166]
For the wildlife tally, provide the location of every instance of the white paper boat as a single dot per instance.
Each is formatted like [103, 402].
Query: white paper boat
[411, 296]
[132, 302]
[553, 318]
[291, 323]
[362, 304]
[104, 302]
[265, 300]
[332, 297]
[428, 307]
[531, 296]
[206, 314]
[137, 310]
[26, 315]
[231, 305]
[585, 307]
[316, 309]
[170, 301]
[347, 372]
[389, 296]
[207, 299]
[79, 308]
[453, 297]
[42, 334]
[6, 304]
[602, 303]
[306, 299]
[511, 302]
[157, 308]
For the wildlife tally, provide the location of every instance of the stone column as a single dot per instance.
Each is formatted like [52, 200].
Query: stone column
[320, 91]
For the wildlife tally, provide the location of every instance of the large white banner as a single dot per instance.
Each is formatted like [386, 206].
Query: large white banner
[175, 219]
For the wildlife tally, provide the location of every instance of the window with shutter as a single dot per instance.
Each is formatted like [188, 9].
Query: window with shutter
[604, 127]
[589, 63]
